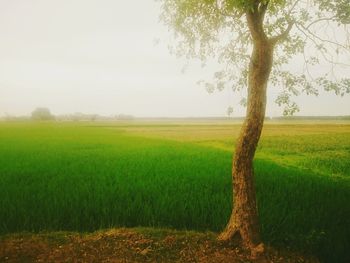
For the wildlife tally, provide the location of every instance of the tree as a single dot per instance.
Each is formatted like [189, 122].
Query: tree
[254, 41]
[42, 114]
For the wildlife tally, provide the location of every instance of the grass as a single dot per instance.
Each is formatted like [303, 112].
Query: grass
[85, 177]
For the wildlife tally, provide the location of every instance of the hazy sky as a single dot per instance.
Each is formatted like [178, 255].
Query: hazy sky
[101, 56]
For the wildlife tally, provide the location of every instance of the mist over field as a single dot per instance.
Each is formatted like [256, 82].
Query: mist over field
[108, 58]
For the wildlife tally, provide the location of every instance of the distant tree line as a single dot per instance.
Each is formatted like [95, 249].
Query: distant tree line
[42, 114]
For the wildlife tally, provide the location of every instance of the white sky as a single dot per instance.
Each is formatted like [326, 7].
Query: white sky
[99, 56]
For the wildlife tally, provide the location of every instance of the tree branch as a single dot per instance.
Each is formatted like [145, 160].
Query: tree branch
[308, 31]
[255, 19]
[292, 8]
[262, 10]
[274, 40]
[319, 20]
[312, 38]
[219, 9]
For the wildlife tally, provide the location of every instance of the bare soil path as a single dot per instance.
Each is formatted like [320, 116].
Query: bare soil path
[130, 245]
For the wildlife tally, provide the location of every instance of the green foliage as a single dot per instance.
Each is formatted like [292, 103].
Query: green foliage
[304, 31]
[341, 9]
[61, 176]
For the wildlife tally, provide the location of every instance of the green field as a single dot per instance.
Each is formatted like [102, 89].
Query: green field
[89, 176]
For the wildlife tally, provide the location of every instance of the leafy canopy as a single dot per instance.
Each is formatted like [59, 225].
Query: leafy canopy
[313, 33]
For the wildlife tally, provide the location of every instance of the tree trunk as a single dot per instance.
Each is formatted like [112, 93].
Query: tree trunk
[244, 217]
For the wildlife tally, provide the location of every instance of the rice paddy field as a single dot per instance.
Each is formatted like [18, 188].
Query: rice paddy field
[88, 176]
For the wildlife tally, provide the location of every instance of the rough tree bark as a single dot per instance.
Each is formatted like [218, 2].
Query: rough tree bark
[244, 218]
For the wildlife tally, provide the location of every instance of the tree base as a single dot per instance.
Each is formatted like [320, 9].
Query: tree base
[230, 233]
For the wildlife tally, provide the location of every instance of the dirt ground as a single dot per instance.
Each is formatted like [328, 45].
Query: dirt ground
[131, 245]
